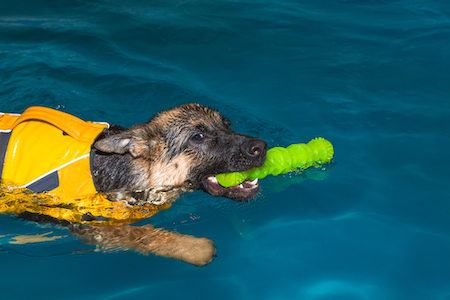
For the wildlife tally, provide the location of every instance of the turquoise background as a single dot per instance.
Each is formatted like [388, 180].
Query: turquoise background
[371, 76]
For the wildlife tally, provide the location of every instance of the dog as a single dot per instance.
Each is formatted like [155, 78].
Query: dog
[179, 150]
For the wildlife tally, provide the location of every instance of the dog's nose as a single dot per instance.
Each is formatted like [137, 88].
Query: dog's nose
[256, 148]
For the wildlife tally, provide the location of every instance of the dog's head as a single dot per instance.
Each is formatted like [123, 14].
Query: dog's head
[189, 145]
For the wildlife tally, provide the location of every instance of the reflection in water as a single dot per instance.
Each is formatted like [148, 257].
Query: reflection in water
[96, 219]
[99, 209]
[28, 239]
[104, 220]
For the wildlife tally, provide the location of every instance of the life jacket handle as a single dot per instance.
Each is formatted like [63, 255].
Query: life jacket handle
[73, 126]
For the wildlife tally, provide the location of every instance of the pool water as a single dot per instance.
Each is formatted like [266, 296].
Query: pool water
[370, 76]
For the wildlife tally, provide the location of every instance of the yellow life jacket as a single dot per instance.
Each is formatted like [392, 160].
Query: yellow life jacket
[46, 150]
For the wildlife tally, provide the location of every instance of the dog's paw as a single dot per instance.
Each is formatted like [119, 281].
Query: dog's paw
[196, 251]
[148, 240]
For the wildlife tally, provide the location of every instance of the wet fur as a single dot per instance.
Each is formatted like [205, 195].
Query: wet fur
[148, 240]
[177, 149]
[164, 152]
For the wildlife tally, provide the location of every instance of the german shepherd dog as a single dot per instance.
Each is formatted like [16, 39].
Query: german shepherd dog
[181, 148]
[184, 146]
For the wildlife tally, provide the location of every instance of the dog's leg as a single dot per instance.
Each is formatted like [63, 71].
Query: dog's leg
[148, 240]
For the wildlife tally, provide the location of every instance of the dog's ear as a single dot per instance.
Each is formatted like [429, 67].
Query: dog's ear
[124, 142]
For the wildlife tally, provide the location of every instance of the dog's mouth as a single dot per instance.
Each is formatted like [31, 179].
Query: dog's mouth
[252, 154]
[243, 192]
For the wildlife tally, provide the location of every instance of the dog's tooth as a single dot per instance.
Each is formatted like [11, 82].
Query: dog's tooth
[213, 179]
[254, 182]
[241, 186]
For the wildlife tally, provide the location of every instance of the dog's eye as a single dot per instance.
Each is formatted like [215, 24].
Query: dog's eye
[198, 137]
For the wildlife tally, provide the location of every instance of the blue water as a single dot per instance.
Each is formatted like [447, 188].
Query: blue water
[371, 76]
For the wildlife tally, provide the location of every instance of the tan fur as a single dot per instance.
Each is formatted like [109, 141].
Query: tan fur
[173, 173]
[148, 240]
[152, 159]
[168, 159]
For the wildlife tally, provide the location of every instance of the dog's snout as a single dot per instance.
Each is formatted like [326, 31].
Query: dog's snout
[256, 148]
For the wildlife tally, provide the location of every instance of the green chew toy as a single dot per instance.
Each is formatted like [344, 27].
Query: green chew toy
[296, 157]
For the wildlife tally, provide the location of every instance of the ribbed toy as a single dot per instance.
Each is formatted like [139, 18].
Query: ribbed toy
[296, 157]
